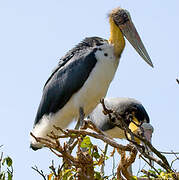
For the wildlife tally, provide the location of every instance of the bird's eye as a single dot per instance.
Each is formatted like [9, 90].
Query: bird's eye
[125, 15]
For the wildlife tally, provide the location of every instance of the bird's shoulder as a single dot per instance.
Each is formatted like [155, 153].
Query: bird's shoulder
[85, 46]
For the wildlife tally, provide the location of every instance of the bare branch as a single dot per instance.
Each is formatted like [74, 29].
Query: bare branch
[105, 152]
[162, 152]
[53, 169]
[174, 161]
[149, 164]
[39, 171]
[101, 137]
[164, 163]
[176, 158]
[125, 163]
[1, 160]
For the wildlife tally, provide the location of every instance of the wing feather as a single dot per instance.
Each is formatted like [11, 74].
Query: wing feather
[64, 82]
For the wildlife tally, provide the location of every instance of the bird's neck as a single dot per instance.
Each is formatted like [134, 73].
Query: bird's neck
[116, 38]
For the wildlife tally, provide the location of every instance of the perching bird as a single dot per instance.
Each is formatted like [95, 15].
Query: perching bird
[83, 76]
[129, 110]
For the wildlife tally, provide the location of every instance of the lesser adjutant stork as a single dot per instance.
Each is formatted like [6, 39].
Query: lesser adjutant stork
[130, 110]
[82, 77]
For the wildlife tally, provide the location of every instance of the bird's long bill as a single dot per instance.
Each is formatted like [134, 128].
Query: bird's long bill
[148, 130]
[129, 31]
[148, 136]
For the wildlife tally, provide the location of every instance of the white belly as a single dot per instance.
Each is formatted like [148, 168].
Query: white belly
[97, 83]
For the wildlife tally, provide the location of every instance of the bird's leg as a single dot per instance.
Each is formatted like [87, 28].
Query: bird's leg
[80, 119]
[79, 122]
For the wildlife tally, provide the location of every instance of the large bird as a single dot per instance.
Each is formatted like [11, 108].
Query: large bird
[130, 110]
[83, 75]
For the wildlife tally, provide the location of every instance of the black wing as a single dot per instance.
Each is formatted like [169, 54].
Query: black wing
[69, 76]
[78, 51]
[64, 82]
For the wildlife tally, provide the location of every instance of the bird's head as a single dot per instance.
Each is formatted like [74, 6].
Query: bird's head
[145, 129]
[121, 19]
[133, 113]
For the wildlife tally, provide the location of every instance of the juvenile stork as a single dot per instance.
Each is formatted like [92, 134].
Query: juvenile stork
[83, 75]
[130, 110]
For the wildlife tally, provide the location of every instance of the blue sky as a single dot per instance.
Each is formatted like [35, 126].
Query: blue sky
[33, 34]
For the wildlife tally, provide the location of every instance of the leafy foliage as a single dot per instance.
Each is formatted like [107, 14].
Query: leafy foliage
[162, 174]
[6, 169]
[69, 174]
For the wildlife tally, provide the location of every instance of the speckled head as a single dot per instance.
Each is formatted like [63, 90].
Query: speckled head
[120, 16]
[122, 19]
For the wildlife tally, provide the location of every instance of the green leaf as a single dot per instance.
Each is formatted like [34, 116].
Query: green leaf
[97, 175]
[152, 171]
[160, 170]
[2, 176]
[73, 134]
[4, 160]
[134, 177]
[96, 155]
[8, 161]
[9, 176]
[67, 173]
[86, 143]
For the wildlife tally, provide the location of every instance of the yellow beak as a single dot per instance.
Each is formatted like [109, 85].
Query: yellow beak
[134, 129]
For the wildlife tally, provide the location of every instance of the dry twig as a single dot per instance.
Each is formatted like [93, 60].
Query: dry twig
[1, 160]
[125, 163]
[39, 172]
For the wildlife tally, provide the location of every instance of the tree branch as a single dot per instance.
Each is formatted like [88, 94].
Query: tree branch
[40, 172]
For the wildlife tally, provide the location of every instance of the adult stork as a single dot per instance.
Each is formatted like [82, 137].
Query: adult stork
[83, 75]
